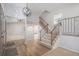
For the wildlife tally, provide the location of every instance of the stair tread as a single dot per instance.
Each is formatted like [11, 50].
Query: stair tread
[46, 44]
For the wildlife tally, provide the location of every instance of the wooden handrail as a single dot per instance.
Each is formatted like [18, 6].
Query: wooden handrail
[55, 27]
[69, 18]
[45, 31]
[44, 27]
[43, 23]
[44, 34]
[43, 20]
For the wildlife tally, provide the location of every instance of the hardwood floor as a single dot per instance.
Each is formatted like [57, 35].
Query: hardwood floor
[35, 49]
[61, 52]
[32, 48]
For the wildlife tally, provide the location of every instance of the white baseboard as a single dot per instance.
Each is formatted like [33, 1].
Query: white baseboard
[71, 49]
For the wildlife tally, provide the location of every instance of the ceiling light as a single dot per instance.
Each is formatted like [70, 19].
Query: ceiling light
[26, 11]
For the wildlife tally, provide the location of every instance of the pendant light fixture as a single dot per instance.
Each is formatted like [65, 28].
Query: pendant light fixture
[27, 11]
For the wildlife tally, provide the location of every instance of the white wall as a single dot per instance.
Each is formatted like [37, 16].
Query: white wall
[69, 11]
[33, 18]
[69, 42]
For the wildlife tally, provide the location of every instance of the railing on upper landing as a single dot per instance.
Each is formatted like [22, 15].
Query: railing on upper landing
[70, 26]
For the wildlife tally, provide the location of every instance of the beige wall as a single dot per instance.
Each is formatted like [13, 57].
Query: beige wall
[15, 31]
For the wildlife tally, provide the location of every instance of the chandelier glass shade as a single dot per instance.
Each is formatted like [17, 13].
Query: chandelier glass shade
[26, 11]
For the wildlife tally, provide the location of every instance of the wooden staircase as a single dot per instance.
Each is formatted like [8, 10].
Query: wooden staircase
[47, 37]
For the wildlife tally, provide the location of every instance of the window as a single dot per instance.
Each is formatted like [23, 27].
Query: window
[57, 17]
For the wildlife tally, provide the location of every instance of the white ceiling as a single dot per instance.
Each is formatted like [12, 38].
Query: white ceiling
[15, 9]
